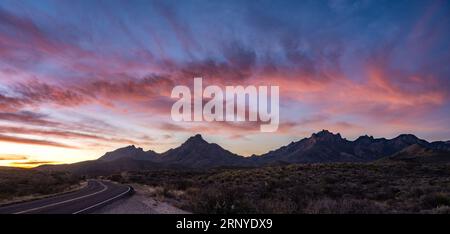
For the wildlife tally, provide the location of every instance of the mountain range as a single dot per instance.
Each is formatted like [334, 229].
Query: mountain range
[321, 147]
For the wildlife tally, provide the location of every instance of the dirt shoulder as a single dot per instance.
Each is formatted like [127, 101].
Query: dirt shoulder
[146, 200]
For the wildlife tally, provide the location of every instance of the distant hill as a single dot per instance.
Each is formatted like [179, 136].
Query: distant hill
[321, 147]
[101, 167]
[197, 153]
[421, 154]
[324, 146]
[130, 152]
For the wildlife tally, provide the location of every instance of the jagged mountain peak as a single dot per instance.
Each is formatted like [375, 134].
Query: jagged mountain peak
[321, 147]
[195, 140]
[196, 152]
[367, 140]
[131, 147]
[326, 135]
[128, 148]
[325, 132]
[364, 138]
[196, 137]
[130, 151]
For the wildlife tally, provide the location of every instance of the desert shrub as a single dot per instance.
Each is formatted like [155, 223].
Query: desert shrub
[25, 182]
[435, 200]
[439, 210]
[222, 200]
[345, 206]
[276, 206]
[182, 184]
[116, 178]
[308, 188]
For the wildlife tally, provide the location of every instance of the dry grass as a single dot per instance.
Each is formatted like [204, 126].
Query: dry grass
[319, 188]
[26, 184]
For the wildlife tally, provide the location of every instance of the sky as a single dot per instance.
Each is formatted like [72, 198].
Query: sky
[79, 78]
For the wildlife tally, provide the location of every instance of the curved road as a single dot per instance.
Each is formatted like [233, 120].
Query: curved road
[96, 194]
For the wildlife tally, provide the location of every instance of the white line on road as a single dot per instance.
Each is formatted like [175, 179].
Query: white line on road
[90, 207]
[62, 202]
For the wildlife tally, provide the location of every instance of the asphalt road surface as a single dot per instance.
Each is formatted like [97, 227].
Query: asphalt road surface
[96, 194]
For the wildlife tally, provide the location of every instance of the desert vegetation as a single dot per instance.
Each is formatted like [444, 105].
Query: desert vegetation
[21, 184]
[307, 188]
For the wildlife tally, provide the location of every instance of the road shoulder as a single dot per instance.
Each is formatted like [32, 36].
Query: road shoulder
[142, 202]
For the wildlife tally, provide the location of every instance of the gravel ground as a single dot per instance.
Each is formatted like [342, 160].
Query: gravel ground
[139, 203]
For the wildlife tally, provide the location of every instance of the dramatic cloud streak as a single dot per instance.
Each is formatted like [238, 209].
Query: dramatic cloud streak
[32, 163]
[20, 140]
[12, 157]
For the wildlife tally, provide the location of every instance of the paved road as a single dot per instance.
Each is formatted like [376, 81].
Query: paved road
[85, 200]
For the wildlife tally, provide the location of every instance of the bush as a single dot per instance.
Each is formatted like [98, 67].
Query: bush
[346, 206]
[313, 188]
[435, 200]
[221, 201]
[25, 182]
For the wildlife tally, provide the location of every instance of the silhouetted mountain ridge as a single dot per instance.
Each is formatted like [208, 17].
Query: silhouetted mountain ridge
[130, 152]
[420, 154]
[320, 147]
[197, 153]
